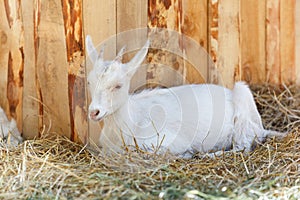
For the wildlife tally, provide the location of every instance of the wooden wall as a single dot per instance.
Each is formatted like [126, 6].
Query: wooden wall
[42, 53]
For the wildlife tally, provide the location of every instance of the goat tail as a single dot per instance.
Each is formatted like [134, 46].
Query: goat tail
[244, 104]
[277, 134]
[248, 126]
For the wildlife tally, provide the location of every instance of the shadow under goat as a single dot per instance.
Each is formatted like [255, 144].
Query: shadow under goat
[9, 133]
[182, 120]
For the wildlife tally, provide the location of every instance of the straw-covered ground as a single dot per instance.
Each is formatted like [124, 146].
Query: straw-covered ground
[55, 168]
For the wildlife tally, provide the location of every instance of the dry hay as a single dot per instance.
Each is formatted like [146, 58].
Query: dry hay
[279, 107]
[55, 168]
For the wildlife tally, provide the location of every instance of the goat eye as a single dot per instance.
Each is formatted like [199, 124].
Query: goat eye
[117, 86]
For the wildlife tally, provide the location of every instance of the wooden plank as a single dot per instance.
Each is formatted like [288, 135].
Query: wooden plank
[72, 14]
[213, 37]
[12, 59]
[131, 15]
[194, 27]
[287, 41]
[52, 68]
[4, 51]
[166, 66]
[297, 36]
[100, 22]
[273, 42]
[225, 41]
[32, 103]
[253, 45]
[132, 32]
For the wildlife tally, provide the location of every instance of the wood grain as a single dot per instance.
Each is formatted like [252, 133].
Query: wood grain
[253, 44]
[297, 36]
[166, 66]
[12, 60]
[32, 103]
[287, 41]
[4, 51]
[194, 28]
[225, 41]
[73, 26]
[213, 38]
[273, 42]
[52, 68]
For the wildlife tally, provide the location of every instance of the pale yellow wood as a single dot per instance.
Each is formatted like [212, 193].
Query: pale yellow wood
[287, 41]
[297, 35]
[4, 50]
[253, 44]
[32, 122]
[99, 21]
[194, 28]
[228, 42]
[273, 42]
[131, 23]
[12, 59]
[52, 68]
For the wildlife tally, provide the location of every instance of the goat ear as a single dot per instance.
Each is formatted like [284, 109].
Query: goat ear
[91, 50]
[137, 60]
[101, 53]
[120, 54]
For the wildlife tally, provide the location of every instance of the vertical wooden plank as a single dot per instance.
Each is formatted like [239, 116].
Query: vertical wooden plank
[4, 51]
[166, 64]
[194, 27]
[12, 59]
[32, 103]
[253, 47]
[132, 32]
[52, 68]
[195, 21]
[273, 42]
[297, 35]
[225, 41]
[100, 22]
[287, 41]
[213, 37]
[131, 15]
[72, 14]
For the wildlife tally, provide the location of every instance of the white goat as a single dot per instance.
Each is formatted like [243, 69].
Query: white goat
[182, 120]
[9, 132]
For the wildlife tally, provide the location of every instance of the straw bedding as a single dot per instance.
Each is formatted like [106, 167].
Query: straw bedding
[53, 167]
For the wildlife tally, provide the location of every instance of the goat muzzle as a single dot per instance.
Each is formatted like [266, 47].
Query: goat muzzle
[94, 114]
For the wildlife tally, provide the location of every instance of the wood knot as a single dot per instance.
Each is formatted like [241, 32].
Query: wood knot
[167, 3]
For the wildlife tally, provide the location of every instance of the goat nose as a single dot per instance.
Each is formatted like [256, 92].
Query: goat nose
[94, 113]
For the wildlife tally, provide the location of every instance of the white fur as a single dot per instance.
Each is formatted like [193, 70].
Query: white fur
[183, 120]
[8, 130]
